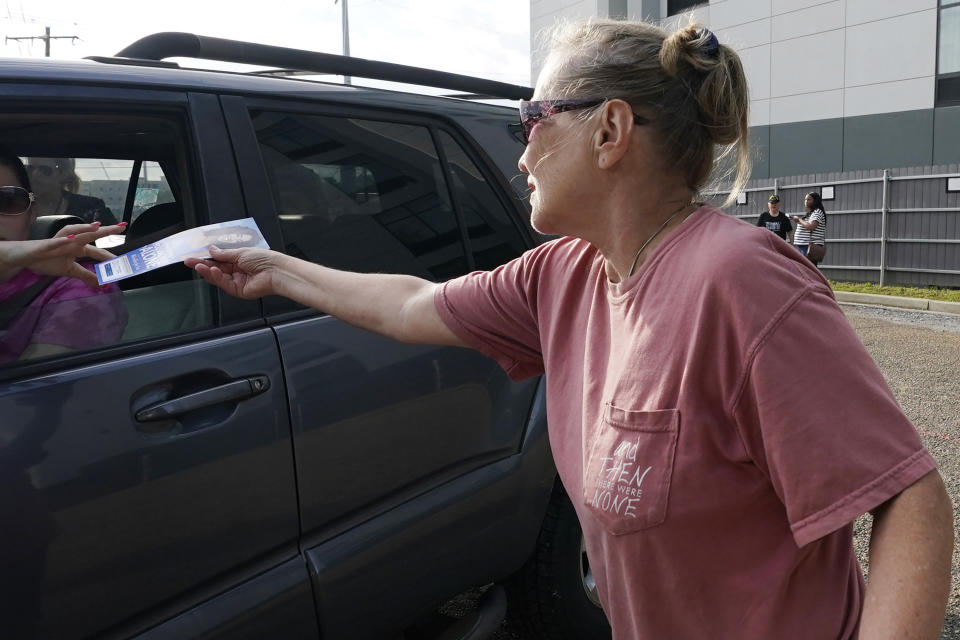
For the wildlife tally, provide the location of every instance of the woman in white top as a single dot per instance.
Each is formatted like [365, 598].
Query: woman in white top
[811, 228]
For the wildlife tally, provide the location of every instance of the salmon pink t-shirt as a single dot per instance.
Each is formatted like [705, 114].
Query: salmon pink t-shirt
[713, 504]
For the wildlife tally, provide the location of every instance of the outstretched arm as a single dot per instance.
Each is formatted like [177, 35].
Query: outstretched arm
[397, 306]
[910, 552]
[58, 256]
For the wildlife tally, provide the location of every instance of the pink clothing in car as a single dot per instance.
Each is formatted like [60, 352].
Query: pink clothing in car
[714, 503]
[67, 313]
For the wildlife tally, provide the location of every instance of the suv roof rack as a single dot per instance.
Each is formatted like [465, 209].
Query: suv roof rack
[292, 73]
[172, 44]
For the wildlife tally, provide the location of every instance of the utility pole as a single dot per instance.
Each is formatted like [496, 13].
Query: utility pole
[346, 34]
[46, 39]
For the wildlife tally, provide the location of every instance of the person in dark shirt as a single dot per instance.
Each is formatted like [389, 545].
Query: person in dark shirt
[777, 222]
[55, 183]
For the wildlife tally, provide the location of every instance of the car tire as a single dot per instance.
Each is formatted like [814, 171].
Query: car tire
[552, 597]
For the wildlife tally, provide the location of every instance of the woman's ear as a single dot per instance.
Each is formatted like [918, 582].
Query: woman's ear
[614, 133]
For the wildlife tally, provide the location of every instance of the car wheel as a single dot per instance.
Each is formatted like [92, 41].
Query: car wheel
[554, 595]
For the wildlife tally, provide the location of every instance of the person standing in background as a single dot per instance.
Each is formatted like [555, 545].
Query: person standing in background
[811, 228]
[776, 222]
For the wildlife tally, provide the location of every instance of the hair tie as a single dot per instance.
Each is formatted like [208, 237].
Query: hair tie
[713, 45]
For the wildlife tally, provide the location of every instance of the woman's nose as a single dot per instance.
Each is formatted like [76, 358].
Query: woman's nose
[522, 162]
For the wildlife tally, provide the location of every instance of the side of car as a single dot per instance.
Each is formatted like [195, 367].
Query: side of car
[110, 520]
[426, 454]
[310, 479]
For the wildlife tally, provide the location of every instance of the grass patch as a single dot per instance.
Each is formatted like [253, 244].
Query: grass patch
[931, 293]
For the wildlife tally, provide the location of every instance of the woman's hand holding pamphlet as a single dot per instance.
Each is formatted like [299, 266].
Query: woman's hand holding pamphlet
[192, 243]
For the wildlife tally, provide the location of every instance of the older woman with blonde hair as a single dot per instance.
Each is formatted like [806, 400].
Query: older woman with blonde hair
[712, 504]
[56, 184]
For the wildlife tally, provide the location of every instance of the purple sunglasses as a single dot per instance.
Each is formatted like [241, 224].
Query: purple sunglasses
[533, 111]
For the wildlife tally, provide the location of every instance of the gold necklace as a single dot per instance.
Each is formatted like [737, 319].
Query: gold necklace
[659, 229]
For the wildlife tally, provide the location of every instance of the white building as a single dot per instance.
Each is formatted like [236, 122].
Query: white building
[835, 85]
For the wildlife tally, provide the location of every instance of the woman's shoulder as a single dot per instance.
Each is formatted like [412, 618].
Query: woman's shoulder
[22, 280]
[31, 289]
[561, 252]
[80, 202]
[559, 261]
[714, 225]
[728, 249]
[65, 288]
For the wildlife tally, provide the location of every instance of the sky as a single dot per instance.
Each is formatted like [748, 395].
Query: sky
[487, 38]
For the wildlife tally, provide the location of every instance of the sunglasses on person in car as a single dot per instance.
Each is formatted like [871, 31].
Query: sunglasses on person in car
[533, 111]
[15, 201]
[44, 170]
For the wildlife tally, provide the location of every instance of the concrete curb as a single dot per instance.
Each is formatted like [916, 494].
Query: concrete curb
[921, 304]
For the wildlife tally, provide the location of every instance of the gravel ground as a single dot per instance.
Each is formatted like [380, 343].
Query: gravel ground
[919, 353]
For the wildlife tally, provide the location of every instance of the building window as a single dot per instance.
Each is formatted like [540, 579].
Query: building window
[679, 6]
[948, 54]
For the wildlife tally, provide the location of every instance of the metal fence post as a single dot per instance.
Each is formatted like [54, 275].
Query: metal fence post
[883, 227]
[776, 186]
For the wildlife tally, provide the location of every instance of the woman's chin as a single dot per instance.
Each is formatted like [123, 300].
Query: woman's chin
[540, 222]
[541, 228]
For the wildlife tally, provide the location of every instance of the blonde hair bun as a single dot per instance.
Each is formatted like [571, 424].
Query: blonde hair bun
[714, 72]
[691, 87]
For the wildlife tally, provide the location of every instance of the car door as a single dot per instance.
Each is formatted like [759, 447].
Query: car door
[378, 425]
[147, 477]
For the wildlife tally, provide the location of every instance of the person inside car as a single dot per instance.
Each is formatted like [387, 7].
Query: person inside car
[55, 256]
[712, 503]
[46, 304]
[55, 182]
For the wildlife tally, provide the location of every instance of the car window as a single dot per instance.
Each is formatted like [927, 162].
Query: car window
[494, 238]
[361, 195]
[84, 167]
[152, 188]
[108, 179]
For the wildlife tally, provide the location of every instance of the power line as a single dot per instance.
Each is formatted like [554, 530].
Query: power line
[46, 39]
[345, 24]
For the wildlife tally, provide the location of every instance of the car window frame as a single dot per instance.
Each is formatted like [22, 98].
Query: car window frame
[497, 181]
[238, 110]
[204, 141]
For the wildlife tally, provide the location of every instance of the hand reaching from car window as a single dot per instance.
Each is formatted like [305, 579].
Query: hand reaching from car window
[58, 256]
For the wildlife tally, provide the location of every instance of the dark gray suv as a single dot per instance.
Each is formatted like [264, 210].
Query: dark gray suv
[221, 468]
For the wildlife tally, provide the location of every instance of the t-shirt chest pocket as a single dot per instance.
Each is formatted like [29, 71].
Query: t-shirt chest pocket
[626, 483]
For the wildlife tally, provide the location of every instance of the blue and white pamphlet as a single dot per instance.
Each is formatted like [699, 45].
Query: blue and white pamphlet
[192, 243]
